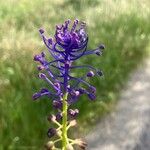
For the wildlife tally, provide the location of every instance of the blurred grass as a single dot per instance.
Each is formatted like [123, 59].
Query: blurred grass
[123, 26]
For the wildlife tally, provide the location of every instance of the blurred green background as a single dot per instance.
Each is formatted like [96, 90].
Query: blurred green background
[122, 25]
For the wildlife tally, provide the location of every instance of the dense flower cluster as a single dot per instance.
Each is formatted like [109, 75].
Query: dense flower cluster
[68, 45]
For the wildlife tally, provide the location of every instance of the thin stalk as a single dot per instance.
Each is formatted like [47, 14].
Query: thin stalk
[64, 123]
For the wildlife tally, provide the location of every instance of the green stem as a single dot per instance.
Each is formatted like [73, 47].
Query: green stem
[64, 122]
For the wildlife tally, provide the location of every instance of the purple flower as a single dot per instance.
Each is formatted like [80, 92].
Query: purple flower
[51, 132]
[57, 104]
[73, 113]
[68, 45]
[90, 74]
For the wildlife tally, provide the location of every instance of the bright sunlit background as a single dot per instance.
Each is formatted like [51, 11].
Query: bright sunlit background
[122, 25]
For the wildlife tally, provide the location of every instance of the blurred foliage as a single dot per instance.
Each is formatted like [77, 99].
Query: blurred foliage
[123, 26]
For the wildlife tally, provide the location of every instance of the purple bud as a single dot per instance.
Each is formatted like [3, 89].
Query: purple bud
[51, 118]
[40, 67]
[100, 73]
[57, 104]
[81, 90]
[41, 31]
[58, 116]
[90, 74]
[67, 64]
[92, 89]
[36, 58]
[92, 96]
[75, 93]
[59, 27]
[43, 54]
[73, 113]
[50, 40]
[42, 75]
[44, 90]
[36, 96]
[51, 132]
[98, 52]
[57, 85]
[102, 46]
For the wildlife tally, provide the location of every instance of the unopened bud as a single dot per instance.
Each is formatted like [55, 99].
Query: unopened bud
[40, 67]
[73, 123]
[51, 132]
[42, 75]
[102, 46]
[70, 147]
[81, 143]
[51, 118]
[49, 145]
[90, 74]
[41, 31]
[73, 113]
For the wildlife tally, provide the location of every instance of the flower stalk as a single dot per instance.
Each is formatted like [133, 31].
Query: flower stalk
[64, 122]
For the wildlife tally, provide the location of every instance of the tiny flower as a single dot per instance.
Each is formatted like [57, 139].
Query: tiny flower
[72, 123]
[70, 147]
[51, 118]
[100, 73]
[92, 96]
[57, 85]
[67, 64]
[102, 46]
[57, 104]
[40, 67]
[36, 58]
[58, 116]
[43, 54]
[42, 75]
[51, 132]
[75, 93]
[73, 113]
[90, 74]
[82, 90]
[44, 90]
[50, 145]
[81, 143]
[98, 52]
[41, 31]
[36, 96]
[92, 89]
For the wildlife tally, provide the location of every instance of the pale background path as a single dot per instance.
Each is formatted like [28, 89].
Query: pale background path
[128, 128]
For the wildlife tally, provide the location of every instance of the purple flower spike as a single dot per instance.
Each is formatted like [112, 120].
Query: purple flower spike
[68, 44]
